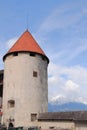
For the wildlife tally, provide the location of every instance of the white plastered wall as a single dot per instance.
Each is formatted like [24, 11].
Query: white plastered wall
[29, 93]
[56, 125]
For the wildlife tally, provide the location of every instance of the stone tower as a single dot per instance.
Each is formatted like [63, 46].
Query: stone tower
[25, 82]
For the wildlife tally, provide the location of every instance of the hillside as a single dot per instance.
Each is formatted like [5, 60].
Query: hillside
[71, 106]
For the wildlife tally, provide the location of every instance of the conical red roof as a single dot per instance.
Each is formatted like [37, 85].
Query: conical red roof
[26, 43]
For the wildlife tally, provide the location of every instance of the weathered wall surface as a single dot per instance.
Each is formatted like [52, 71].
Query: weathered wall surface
[57, 125]
[81, 126]
[29, 93]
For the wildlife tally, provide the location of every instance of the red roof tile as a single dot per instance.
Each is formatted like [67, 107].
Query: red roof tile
[26, 43]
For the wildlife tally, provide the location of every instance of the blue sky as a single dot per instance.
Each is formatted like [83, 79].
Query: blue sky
[60, 28]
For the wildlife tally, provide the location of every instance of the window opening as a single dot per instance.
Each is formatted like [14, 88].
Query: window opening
[33, 116]
[15, 54]
[43, 58]
[1, 90]
[11, 125]
[11, 103]
[1, 77]
[32, 54]
[34, 74]
[51, 127]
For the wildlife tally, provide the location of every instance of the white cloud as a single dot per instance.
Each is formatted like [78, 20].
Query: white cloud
[66, 83]
[61, 99]
[71, 86]
[4, 47]
[69, 53]
[11, 41]
[57, 99]
[62, 17]
[66, 18]
[3, 50]
[78, 49]
[69, 82]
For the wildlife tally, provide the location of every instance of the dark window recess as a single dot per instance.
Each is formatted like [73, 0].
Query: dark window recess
[51, 127]
[43, 58]
[1, 77]
[34, 74]
[32, 54]
[33, 116]
[15, 54]
[1, 90]
[11, 103]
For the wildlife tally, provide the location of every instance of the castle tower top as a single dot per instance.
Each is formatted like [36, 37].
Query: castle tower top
[26, 43]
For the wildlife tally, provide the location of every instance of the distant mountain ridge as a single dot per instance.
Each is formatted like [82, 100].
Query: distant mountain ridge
[71, 106]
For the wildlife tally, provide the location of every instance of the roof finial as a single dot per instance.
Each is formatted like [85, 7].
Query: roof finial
[27, 21]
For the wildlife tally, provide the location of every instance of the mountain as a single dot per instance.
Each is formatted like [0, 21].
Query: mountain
[71, 106]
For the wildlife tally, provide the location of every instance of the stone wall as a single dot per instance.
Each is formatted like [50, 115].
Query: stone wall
[29, 93]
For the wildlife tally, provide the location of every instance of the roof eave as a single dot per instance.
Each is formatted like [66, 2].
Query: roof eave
[4, 57]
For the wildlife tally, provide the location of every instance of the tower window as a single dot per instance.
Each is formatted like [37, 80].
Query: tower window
[33, 116]
[1, 91]
[43, 58]
[1, 77]
[11, 103]
[15, 54]
[32, 54]
[34, 74]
